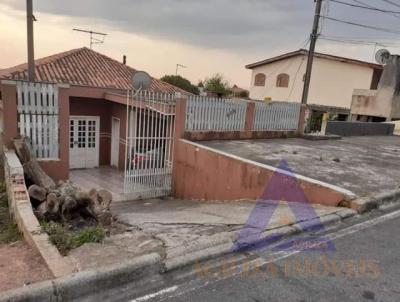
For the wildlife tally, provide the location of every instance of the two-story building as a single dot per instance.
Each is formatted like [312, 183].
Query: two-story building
[333, 80]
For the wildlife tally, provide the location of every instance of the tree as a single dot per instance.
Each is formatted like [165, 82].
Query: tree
[180, 82]
[217, 84]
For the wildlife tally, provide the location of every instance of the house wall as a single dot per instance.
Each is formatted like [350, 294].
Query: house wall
[332, 82]
[119, 111]
[96, 107]
[106, 110]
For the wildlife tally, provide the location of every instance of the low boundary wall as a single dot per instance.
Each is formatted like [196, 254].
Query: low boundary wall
[230, 135]
[359, 128]
[28, 225]
[204, 173]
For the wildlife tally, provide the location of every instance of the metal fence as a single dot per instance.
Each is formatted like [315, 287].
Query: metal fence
[216, 114]
[37, 107]
[276, 116]
[149, 145]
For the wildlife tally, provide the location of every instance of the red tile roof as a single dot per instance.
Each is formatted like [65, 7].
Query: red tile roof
[83, 67]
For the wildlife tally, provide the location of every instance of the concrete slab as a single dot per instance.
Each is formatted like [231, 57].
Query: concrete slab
[182, 224]
[365, 165]
[107, 178]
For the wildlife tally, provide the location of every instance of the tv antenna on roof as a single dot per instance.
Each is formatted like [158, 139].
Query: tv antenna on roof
[93, 34]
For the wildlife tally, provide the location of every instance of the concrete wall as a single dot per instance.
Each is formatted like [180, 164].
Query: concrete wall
[207, 174]
[364, 102]
[332, 82]
[359, 128]
[389, 87]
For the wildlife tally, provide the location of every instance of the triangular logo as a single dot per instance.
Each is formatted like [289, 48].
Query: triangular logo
[283, 185]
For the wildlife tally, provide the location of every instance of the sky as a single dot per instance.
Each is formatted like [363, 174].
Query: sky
[208, 37]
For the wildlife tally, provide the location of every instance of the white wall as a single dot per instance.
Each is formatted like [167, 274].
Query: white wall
[332, 82]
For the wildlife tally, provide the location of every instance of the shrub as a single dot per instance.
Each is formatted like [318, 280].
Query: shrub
[66, 240]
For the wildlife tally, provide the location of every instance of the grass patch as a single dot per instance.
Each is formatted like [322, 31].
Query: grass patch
[8, 228]
[66, 239]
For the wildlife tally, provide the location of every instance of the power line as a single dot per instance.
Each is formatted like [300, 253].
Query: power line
[359, 42]
[392, 3]
[362, 3]
[365, 7]
[388, 30]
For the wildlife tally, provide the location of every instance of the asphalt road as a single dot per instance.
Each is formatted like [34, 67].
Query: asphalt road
[365, 266]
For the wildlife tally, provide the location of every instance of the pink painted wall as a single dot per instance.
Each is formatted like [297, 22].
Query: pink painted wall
[203, 174]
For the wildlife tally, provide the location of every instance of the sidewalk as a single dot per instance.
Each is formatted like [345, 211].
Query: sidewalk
[182, 231]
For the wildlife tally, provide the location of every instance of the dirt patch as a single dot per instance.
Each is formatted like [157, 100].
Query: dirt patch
[20, 266]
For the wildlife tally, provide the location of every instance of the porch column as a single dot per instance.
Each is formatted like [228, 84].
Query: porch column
[250, 111]
[180, 122]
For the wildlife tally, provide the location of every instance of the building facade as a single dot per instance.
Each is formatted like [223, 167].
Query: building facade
[333, 80]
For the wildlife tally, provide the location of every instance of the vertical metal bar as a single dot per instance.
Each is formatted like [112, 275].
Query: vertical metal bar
[126, 144]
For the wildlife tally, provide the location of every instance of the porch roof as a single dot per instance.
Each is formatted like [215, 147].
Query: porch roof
[84, 67]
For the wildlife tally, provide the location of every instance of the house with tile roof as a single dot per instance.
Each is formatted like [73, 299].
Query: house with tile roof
[89, 94]
[333, 80]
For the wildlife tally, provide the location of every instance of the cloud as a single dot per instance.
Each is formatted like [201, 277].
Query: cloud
[220, 24]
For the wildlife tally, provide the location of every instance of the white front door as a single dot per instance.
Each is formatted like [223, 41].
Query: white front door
[84, 142]
[115, 136]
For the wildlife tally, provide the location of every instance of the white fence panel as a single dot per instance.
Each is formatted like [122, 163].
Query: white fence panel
[37, 107]
[215, 114]
[149, 145]
[276, 116]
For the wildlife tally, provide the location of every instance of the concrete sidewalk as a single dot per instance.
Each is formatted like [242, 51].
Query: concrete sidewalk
[182, 231]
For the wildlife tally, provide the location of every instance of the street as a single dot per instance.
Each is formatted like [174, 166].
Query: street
[363, 267]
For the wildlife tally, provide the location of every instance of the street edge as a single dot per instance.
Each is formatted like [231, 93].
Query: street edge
[88, 283]
[363, 205]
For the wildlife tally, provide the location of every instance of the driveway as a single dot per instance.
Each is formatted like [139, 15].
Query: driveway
[364, 165]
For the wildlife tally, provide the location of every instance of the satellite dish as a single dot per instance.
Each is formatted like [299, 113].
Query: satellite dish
[382, 56]
[141, 80]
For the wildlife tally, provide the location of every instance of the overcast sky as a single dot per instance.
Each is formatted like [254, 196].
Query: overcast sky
[207, 36]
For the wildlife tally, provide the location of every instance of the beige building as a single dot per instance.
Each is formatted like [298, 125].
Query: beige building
[333, 79]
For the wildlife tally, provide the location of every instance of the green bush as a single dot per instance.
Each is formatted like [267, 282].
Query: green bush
[65, 239]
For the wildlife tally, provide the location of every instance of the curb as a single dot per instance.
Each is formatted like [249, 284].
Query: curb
[191, 257]
[87, 284]
[362, 205]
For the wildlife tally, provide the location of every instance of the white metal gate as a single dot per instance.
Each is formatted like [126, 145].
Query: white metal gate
[149, 144]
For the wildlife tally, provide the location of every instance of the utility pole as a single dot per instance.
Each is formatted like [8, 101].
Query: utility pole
[31, 56]
[313, 40]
